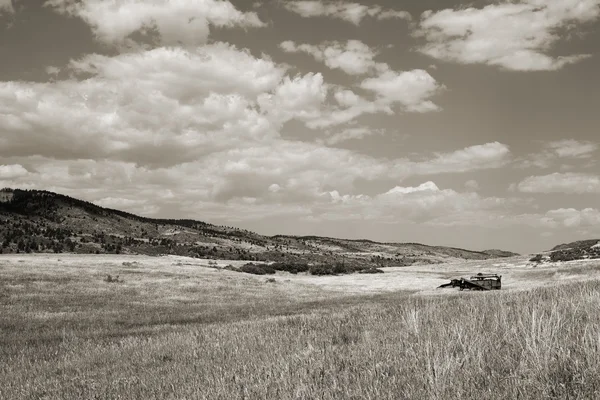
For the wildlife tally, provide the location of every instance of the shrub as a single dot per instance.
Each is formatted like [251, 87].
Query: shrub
[566, 255]
[111, 279]
[292, 268]
[371, 270]
[321, 269]
[537, 258]
[231, 268]
[256, 269]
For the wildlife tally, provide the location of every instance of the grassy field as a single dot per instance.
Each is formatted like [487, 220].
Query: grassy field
[174, 329]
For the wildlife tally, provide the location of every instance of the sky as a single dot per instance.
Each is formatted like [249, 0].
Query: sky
[473, 125]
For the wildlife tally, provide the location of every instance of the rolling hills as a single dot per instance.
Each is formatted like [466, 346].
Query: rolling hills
[42, 221]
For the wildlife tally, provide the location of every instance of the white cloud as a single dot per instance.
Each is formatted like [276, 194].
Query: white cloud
[489, 155]
[354, 57]
[352, 133]
[569, 182]
[277, 174]
[570, 218]
[8, 172]
[410, 89]
[162, 106]
[391, 14]
[300, 97]
[511, 35]
[51, 70]
[348, 11]
[572, 148]
[6, 7]
[175, 21]
[472, 185]
[423, 204]
[559, 149]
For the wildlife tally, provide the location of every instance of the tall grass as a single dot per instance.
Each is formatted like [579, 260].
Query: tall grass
[538, 344]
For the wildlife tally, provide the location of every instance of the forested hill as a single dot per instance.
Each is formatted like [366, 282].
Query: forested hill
[42, 221]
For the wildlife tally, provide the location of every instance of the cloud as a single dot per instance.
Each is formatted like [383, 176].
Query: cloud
[51, 70]
[423, 204]
[391, 14]
[569, 182]
[354, 57]
[158, 107]
[472, 185]
[410, 89]
[489, 155]
[511, 35]
[347, 11]
[352, 133]
[572, 148]
[291, 176]
[178, 22]
[8, 172]
[559, 149]
[570, 217]
[300, 97]
[6, 7]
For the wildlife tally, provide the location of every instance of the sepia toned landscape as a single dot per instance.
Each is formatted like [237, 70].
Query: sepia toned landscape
[299, 199]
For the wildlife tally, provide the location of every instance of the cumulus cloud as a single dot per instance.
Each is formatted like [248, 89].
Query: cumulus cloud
[300, 97]
[353, 57]
[177, 22]
[12, 171]
[6, 7]
[347, 11]
[570, 217]
[511, 35]
[410, 89]
[167, 105]
[570, 182]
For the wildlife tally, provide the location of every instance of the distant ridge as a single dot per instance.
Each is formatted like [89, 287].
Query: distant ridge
[500, 253]
[43, 221]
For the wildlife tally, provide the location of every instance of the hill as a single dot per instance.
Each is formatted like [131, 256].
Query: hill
[42, 221]
[580, 250]
[500, 253]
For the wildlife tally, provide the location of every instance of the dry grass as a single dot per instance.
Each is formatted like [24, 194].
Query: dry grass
[173, 331]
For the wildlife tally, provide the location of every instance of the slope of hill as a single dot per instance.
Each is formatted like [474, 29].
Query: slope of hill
[41, 221]
[580, 250]
[500, 253]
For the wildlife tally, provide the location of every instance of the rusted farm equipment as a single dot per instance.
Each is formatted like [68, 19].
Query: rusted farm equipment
[477, 282]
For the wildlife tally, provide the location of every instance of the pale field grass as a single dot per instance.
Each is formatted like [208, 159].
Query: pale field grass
[517, 274]
[177, 329]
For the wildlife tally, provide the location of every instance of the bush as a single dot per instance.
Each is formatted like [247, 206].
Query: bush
[566, 255]
[371, 270]
[537, 258]
[292, 268]
[321, 269]
[111, 279]
[256, 269]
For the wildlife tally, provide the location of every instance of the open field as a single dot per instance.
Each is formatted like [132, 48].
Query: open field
[176, 328]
